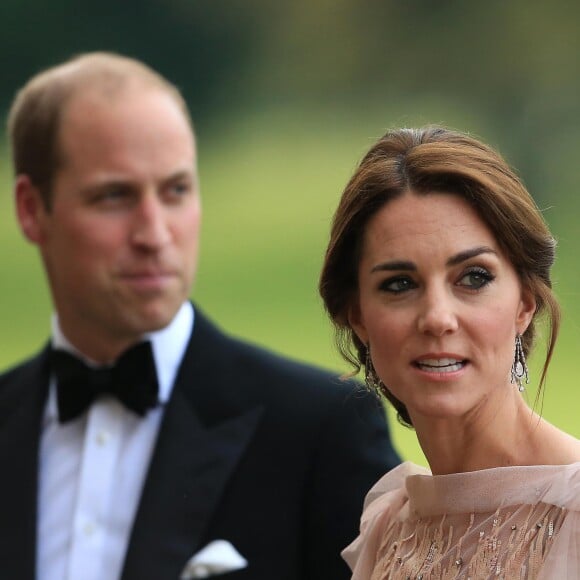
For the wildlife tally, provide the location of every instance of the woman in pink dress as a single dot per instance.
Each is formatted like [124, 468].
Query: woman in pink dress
[436, 276]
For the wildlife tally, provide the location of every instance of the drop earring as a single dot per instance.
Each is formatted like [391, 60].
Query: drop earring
[372, 380]
[519, 366]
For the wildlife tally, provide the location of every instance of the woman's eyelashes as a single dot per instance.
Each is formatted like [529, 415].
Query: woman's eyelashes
[397, 284]
[476, 278]
[473, 278]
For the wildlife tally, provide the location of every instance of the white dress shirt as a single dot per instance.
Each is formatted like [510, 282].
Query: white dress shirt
[92, 469]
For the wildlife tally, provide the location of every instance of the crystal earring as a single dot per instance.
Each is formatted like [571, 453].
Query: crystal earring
[372, 380]
[519, 366]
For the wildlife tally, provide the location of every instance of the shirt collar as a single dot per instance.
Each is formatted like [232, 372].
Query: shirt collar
[169, 345]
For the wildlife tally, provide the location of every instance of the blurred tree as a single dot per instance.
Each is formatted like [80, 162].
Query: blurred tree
[513, 66]
[198, 45]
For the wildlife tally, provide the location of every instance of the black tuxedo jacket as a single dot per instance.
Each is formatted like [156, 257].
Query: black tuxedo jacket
[271, 455]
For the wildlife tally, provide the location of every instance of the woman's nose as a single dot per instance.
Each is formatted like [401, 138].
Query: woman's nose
[437, 315]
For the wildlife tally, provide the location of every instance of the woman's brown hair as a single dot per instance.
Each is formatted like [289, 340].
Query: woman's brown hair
[428, 160]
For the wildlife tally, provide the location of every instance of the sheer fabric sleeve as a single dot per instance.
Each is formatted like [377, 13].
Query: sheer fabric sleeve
[385, 500]
[563, 560]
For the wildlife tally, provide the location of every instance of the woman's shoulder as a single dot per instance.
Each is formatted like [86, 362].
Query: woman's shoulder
[392, 481]
[384, 501]
[557, 446]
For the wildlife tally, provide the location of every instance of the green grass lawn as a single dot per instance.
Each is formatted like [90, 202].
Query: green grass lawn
[270, 183]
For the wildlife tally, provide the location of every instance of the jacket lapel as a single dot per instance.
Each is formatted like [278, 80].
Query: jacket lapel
[196, 453]
[22, 398]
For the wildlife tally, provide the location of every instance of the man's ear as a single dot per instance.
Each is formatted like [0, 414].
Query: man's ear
[355, 321]
[30, 209]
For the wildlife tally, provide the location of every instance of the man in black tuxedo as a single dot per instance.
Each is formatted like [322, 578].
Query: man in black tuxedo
[142, 443]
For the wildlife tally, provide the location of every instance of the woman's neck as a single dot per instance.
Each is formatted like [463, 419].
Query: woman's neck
[509, 434]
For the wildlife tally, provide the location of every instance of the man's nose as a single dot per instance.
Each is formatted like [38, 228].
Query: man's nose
[438, 314]
[150, 227]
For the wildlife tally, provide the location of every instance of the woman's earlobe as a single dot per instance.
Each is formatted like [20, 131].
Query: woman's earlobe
[356, 323]
[527, 311]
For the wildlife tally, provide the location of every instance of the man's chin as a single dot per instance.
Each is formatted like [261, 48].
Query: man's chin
[156, 317]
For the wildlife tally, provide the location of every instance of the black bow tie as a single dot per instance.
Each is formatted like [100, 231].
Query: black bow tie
[132, 379]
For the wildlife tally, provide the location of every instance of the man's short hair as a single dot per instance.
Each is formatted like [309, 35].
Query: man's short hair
[35, 116]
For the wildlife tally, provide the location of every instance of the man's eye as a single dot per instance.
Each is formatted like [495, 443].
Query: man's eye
[476, 278]
[180, 188]
[113, 194]
[397, 285]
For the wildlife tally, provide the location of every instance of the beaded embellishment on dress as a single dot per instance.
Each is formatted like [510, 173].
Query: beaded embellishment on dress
[509, 544]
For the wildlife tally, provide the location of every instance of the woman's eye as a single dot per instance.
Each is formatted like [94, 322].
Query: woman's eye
[397, 285]
[476, 279]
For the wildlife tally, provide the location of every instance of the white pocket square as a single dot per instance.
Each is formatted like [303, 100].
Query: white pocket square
[217, 557]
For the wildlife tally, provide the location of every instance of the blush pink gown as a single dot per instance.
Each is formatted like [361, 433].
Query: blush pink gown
[501, 523]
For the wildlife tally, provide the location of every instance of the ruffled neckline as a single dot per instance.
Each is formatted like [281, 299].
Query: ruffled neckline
[489, 489]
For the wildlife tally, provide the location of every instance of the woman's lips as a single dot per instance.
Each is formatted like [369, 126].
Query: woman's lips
[440, 364]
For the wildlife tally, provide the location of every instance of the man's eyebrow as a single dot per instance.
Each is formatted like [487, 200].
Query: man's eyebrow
[180, 174]
[120, 181]
[468, 254]
[406, 265]
[104, 184]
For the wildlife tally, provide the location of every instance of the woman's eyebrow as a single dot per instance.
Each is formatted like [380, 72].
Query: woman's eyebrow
[407, 265]
[468, 254]
[395, 265]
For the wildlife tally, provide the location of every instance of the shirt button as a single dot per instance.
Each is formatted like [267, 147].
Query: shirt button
[103, 438]
[89, 529]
